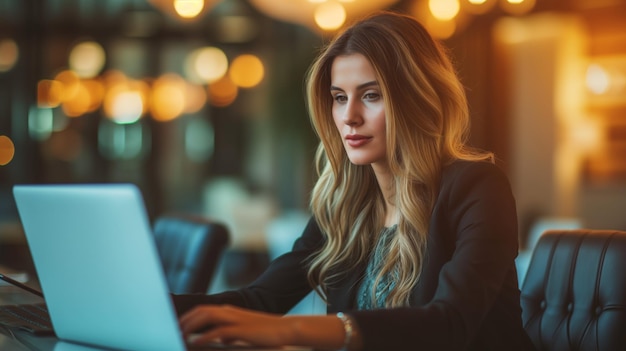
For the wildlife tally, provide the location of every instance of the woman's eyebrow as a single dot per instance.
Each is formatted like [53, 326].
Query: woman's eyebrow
[359, 87]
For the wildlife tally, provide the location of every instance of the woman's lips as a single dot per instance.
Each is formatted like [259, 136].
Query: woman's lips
[356, 140]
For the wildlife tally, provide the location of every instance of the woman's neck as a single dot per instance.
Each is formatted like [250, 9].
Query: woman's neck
[385, 180]
[391, 217]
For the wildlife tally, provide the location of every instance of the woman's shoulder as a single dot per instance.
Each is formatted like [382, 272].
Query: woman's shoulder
[462, 168]
[478, 184]
[464, 173]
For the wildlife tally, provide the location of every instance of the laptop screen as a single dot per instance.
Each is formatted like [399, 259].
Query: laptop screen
[98, 265]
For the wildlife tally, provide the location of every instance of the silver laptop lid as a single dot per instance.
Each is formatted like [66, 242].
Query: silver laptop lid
[98, 265]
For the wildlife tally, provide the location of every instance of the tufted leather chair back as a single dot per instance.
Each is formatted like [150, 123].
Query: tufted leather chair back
[190, 249]
[574, 294]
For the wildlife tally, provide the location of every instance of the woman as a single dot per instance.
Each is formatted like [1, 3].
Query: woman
[413, 236]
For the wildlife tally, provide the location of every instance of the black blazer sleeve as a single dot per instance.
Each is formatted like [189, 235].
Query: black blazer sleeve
[281, 286]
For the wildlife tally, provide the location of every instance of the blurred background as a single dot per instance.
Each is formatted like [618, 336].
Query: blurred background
[201, 104]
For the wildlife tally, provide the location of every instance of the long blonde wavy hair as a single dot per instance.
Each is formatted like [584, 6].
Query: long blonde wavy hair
[427, 123]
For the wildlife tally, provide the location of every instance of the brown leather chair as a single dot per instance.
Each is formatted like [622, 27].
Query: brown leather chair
[190, 248]
[574, 293]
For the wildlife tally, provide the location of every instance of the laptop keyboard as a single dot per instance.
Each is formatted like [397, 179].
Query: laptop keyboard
[33, 318]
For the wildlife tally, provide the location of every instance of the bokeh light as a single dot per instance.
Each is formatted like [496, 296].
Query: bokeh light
[517, 7]
[444, 10]
[188, 8]
[330, 15]
[195, 98]
[223, 92]
[247, 71]
[127, 107]
[87, 59]
[41, 122]
[206, 65]
[49, 93]
[167, 100]
[478, 7]
[9, 53]
[125, 100]
[598, 80]
[113, 77]
[7, 150]
[79, 102]
[71, 84]
[123, 141]
[588, 135]
[77, 96]
[95, 89]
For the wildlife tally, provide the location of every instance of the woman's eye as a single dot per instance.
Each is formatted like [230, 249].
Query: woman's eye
[371, 96]
[340, 98]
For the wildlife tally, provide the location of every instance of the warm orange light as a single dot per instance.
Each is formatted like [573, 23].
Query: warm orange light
[71, 84]
[587, 135]
[441, 29]
[188, 8]
[517, 7]
[95, 88]
[167, 100]
[127, 107]
[87, 59]
[304, 12]
[479, 6]
[9, 54]
[112, 78]
[444, 10]
[223, 92]
[7, 150]
[206, 65]
[49, 93]
[82, 97]
[597, 79]
[79, 102]
[125, 100]
[330, 15]
[195, 98]
[247, 71]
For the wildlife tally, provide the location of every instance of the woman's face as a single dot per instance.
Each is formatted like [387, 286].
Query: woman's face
[358, 109]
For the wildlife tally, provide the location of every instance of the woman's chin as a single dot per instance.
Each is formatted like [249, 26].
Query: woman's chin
[359, 162]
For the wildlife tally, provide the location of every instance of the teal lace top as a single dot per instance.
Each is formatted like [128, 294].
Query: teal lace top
[364, 296]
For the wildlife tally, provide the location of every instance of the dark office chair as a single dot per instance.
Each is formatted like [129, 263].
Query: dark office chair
[190, 248]
[574, 294]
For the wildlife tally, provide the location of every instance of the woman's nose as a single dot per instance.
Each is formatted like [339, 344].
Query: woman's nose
[352, 114]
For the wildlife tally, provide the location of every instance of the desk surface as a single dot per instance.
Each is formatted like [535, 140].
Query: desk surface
[17, 340]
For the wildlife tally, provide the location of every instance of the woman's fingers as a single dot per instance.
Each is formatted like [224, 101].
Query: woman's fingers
[223, 335]
[201, 318]
[229, 324]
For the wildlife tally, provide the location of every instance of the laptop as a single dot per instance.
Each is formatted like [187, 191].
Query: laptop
[98, 266]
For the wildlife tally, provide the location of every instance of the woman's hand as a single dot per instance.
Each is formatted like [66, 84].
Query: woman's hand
[228, 324]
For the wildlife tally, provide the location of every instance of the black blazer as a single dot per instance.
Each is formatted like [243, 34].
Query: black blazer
[467, 297]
